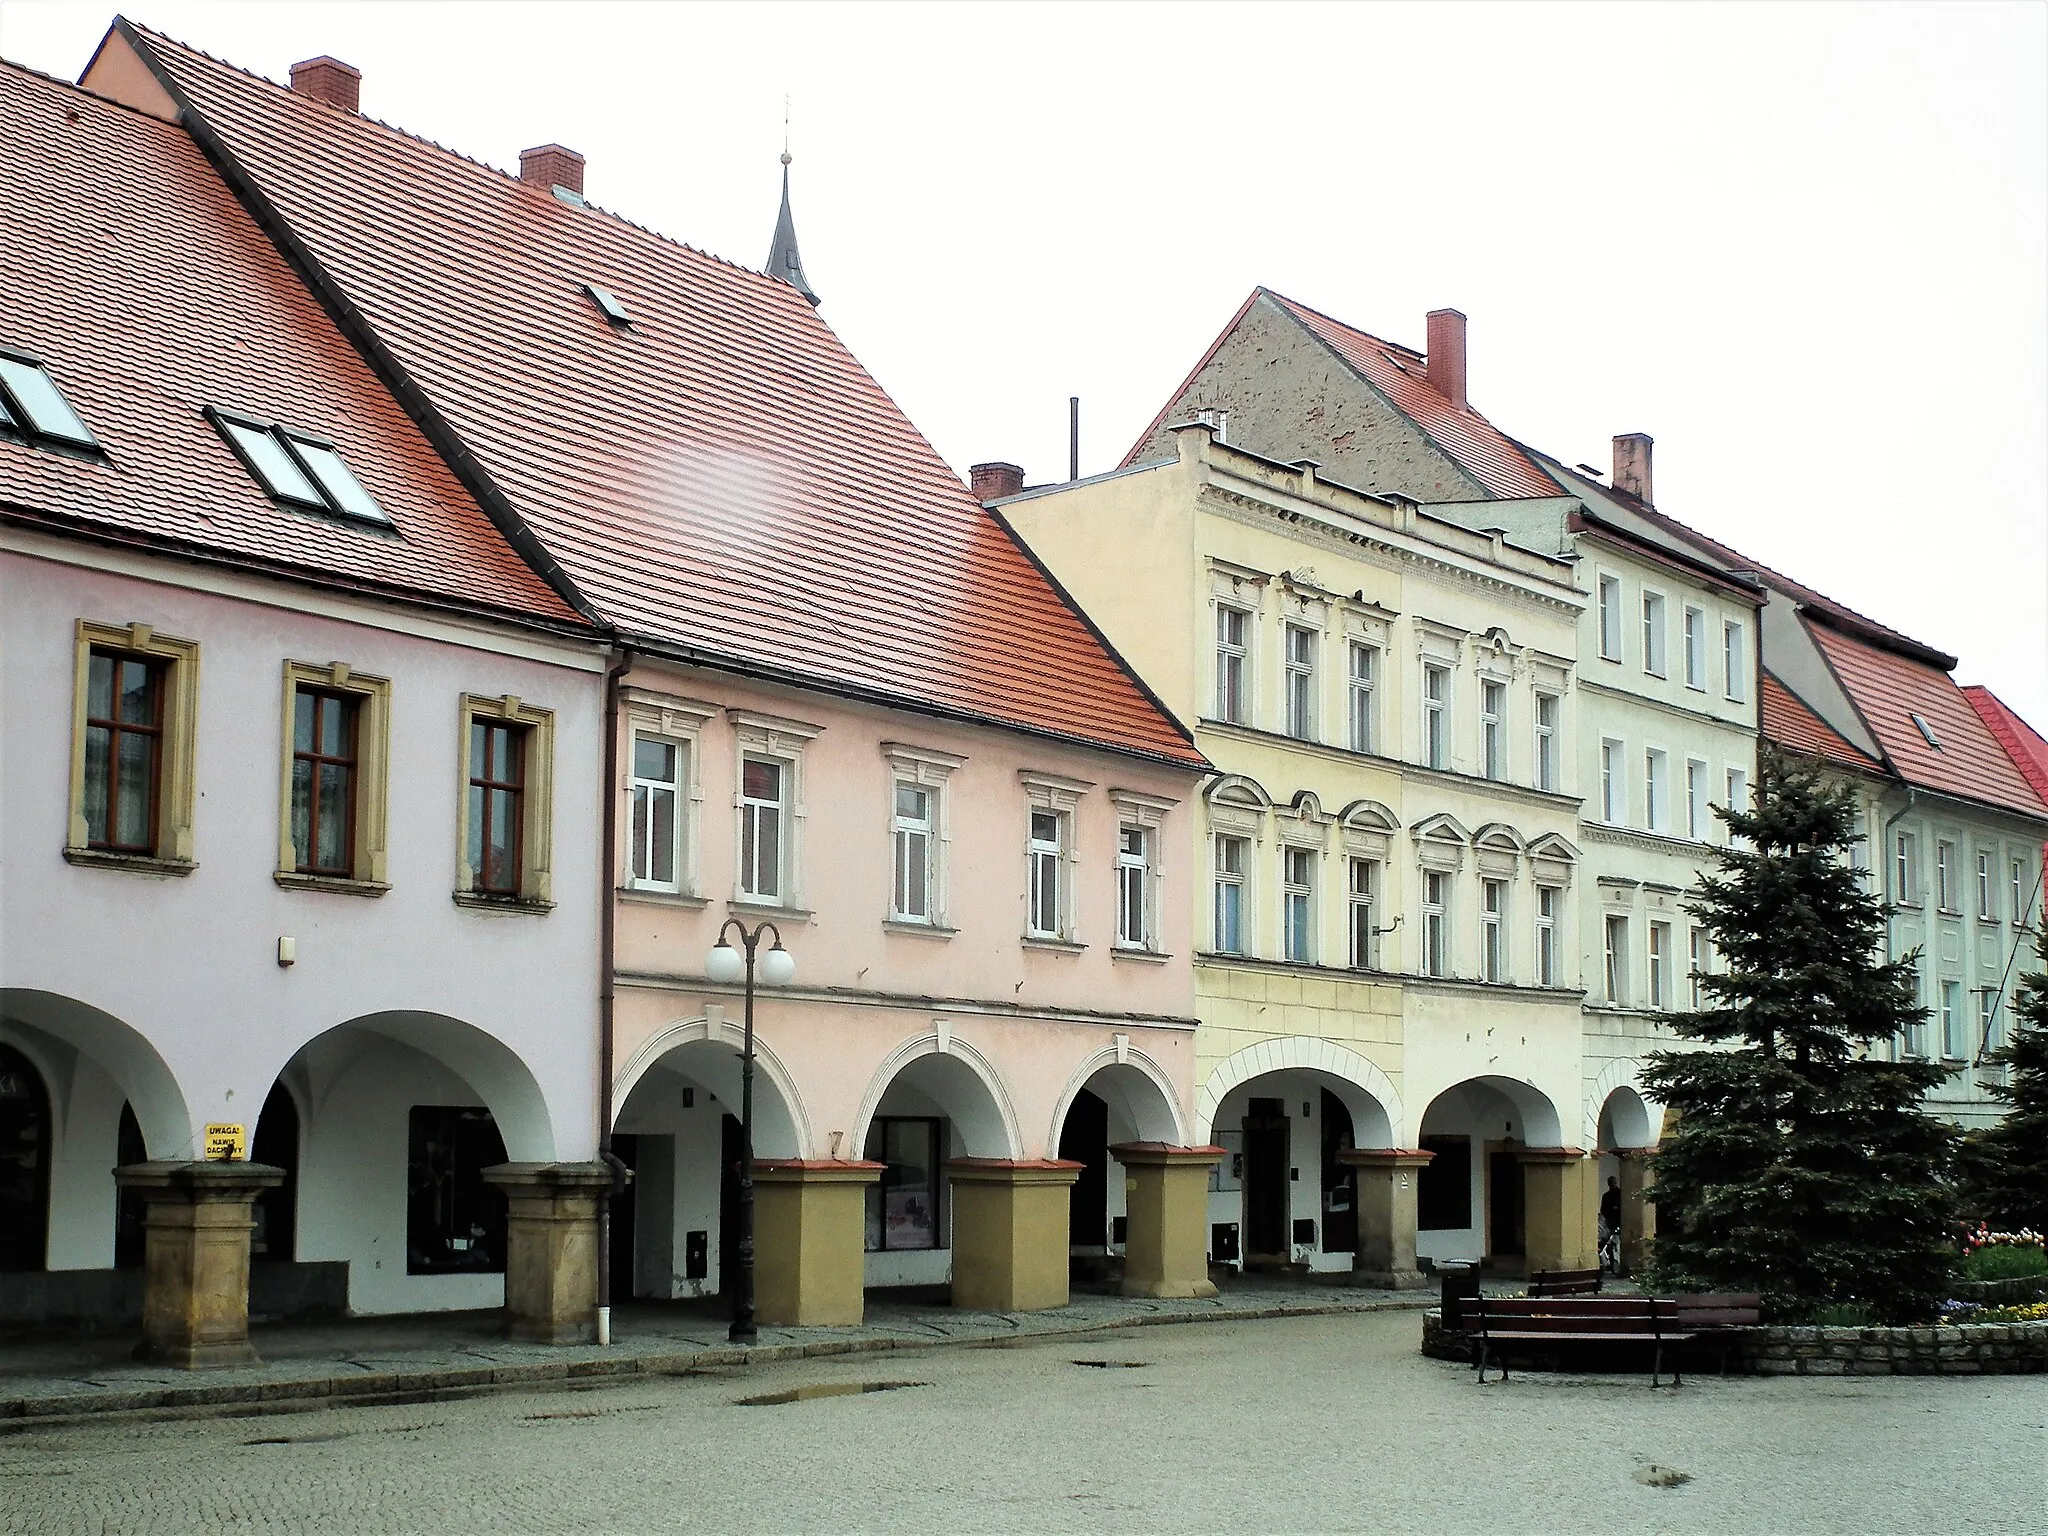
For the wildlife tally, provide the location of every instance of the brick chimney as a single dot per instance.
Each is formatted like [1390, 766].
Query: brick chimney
[329, 80]
[1444, 363]
[552, 166]
[992, 482]
[1632, 465]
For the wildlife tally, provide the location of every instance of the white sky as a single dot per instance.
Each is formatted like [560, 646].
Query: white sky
[1804, 246]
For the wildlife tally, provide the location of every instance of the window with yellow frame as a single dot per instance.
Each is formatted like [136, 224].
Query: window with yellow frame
[134, 720]
[334, 777]
[505, 825]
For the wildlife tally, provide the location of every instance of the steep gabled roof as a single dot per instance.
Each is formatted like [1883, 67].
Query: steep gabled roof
[1964, 759]
[720, 478]
[2027, 748]
[1787, 721]
[1494, 462]
[151, 294]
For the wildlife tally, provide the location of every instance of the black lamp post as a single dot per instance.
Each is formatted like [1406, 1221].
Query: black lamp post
[727, 965]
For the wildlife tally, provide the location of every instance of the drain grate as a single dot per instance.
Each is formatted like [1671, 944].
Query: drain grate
[823, 1389]
[1114, 1365]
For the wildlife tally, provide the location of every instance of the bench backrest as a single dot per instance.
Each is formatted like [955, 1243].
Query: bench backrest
[1728, 1309]
[1564, 1282]
[1574, 1314]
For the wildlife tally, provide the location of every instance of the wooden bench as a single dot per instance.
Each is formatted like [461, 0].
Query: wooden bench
[1567, 1322]
[1716, 1316]
[1564, 1282]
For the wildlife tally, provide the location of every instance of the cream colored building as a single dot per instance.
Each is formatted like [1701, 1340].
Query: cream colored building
[1388, 874]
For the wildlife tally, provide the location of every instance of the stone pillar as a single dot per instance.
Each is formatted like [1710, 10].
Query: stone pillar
[195, 1280]
[551, 1249]
[810, 1244]
[1387, 1179]
[1638, 1214]
[1010, 1221]
[1166, 1218]
[1561, 1207]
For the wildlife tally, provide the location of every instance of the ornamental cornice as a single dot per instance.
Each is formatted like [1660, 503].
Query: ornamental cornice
[1588, 684]
[1649, 842]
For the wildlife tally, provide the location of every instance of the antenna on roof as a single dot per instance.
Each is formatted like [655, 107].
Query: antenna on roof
[783, 260]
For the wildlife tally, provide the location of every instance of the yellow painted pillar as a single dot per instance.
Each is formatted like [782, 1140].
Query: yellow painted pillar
[1387, 1179]
[810, 1241]
[1562, 1205]
[1638, 1212]
[1010, 1232]
[195, 1276]
[551, 1249]
[1166, 1207]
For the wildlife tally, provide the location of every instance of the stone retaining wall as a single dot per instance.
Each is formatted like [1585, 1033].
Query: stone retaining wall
[2017, 1291]
[1970, 1350]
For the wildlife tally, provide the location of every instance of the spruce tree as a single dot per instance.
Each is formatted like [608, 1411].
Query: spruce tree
[1800, 1166]
[2006, 1165]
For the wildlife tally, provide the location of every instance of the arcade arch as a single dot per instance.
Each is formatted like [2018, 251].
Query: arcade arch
[1115, 1096]
[1472, 1199]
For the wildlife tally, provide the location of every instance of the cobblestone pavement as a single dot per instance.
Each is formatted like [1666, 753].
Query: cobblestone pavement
[1312, 1423]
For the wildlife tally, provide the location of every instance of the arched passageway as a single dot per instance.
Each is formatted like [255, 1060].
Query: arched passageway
[673, 1229]
[1629, 1128]
[1472, 1202]
[1115, 1102]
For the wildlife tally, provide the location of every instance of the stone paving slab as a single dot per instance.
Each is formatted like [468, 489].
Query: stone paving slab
[416, 1358]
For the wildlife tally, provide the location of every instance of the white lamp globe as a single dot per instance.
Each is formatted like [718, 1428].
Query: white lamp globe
[725, 966]
[778, 967]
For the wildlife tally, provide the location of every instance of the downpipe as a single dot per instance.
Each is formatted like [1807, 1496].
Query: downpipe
[608, 958]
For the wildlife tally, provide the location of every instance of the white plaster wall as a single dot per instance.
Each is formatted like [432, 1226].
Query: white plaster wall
[680, 1176]
[1300, 1093]
[1482, 1114]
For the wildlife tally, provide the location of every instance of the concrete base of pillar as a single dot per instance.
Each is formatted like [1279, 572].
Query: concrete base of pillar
[551, 1249]
[809, 1236]
[1166, 1205]
[195, 1287]
[1387, 1178]
[1560, 1186]
[1010, 1223]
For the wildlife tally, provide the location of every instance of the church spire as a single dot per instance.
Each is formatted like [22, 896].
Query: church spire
[783, 260]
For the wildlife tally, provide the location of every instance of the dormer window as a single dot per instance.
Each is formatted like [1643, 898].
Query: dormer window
[298, 468]
[608, 305]
[34, 408]
[1927, 731]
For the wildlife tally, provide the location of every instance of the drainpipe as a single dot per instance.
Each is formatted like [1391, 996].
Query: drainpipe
[608, 957]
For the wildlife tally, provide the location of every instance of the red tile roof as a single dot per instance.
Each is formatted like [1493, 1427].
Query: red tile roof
[723, 479]
[2023, 744]
[149, 294]
[1889, 689]
[1787, 721]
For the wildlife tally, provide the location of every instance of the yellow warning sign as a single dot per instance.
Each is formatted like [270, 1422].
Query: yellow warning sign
[226, 1144]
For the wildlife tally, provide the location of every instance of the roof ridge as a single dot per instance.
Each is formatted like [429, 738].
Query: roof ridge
[408, 136]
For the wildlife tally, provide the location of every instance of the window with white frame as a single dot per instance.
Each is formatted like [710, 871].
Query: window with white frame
[1734, 668]
[1134, 887]
[1493, 742]
[1616, 958]
[1610, 617]
[1436, 715]
[1906, 870]
[1548, 898]
[1656, 789]
[1696, 955]
[1365, 676]
[1695, 798]
[1987, 1019]
[1660, 961]
[1362, 886]
[1952, 1020]
[1233, 665]
[2019, 893]
[1048, 916]
[1298, 904]
[1696, 649]
[1546, 740]
[660, 793]
[1436, 900]
[1493, 908]
[1914, 1041]
[1738, 793]
[1987, 900]
[1945, 876]
[1232, 856]
[1613, 784]
[916, 827]
[764, 824]
[1655, 633]
[1301, 682]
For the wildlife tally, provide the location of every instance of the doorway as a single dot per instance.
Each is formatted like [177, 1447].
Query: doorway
[1340, 1180]
[1265, 1183]
[732, 1150]
[24, 1163]
[1084, 1139]
[274, 1240]
[1504, 1204]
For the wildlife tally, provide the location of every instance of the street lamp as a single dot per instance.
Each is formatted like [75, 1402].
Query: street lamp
[727, 965]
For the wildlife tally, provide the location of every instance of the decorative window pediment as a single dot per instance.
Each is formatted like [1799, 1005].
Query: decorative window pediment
[1368, 829]
[1440, 841]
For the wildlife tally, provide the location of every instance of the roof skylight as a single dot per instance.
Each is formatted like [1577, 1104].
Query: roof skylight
[298, 468]
[1927, 731]
[612, 309]
[33, 406]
